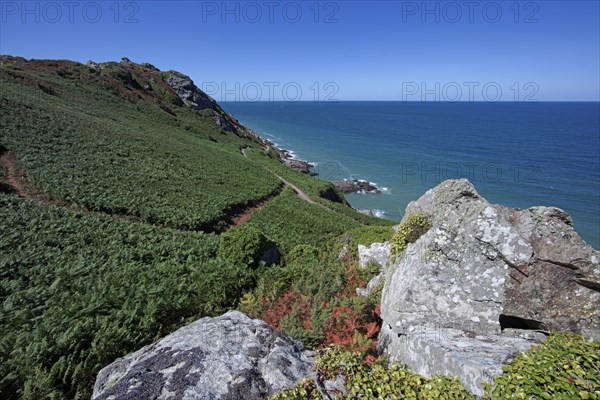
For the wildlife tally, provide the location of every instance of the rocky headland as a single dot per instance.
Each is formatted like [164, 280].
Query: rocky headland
[288, 159]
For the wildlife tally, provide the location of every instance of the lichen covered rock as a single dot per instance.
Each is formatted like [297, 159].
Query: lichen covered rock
[228, 357]
[482, 269]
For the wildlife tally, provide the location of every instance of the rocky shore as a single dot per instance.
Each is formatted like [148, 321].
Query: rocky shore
[299, 165]
[345, 186]
[356, 186]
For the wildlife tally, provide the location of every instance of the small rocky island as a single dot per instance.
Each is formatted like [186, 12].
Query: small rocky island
[355, 186]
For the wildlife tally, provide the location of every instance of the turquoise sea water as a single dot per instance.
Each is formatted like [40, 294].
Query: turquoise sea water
[516, 154]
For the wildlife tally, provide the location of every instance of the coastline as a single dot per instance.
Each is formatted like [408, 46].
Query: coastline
[346, 186]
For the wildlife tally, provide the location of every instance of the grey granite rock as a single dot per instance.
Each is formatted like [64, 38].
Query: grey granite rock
[228, 357]
[485, 268]
[378, 253]
[475, 358]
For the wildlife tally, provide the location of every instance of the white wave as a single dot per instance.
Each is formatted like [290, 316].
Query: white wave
[271, 136]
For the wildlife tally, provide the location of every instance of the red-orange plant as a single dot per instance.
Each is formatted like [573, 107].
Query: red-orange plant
[291, 302]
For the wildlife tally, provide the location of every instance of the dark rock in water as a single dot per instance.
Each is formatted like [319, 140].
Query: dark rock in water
[356, 186]
[298, 165]
[229, 357]
[287, 159]
[453, 300]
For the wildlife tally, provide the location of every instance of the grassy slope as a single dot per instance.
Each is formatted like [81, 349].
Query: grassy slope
[80, 289]
[91, 147]
[276, 222]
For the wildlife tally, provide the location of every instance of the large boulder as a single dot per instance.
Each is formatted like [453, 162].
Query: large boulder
[228, 357]
[481, 271]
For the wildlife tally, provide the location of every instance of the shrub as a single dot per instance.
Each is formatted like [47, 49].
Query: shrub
[366, 235]
[303, 253]
[354, 326]
[305, 389]
[173, 99]
[243, 245]
[408, 232]
[565, 366]
[377, 380]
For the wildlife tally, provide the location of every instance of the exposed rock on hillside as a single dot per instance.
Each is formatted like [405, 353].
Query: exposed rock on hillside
[378, 253]
[188, 92]
[451, 298]
[229, 357]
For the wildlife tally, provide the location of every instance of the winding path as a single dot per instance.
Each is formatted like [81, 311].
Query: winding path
[299, 192]
[8, 167]
[14, 183]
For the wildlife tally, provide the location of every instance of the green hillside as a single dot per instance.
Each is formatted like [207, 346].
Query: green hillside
[113, 193]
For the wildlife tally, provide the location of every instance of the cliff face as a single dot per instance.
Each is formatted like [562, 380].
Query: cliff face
[483, 282]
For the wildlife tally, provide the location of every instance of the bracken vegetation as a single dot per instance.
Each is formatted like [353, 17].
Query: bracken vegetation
[80, 290]
[94, 151]
[107, 257]
[131, 235]
[313, 298]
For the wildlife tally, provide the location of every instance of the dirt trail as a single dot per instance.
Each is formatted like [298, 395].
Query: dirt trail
[247, 213]
[13, 184]
[299, 192]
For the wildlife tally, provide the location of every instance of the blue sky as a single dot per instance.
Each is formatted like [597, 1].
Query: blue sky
[331, 50]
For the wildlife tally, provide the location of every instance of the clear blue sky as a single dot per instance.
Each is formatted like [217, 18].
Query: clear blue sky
[352, 50]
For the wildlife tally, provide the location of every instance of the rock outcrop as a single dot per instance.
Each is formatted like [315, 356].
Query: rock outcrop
[229, 357]
[188, 92]
[377, 253]
[356, 186]
[458, 300]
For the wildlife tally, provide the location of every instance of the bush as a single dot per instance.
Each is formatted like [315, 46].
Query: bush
[408, 232]
[243, 245]
[565, 366]
[303, 253]
[366, 235]
[377, 380]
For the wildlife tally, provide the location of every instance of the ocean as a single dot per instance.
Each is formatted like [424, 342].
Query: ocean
[516, 154]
